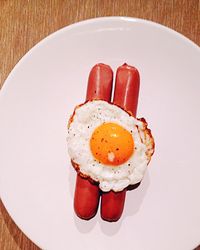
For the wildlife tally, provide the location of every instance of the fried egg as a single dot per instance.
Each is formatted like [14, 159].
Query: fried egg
[108, 145]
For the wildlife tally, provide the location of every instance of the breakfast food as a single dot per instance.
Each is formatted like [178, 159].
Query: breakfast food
[99, 87]
[108, 145]
[109, 148]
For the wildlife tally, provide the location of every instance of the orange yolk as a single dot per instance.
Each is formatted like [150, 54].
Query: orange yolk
[111, 144]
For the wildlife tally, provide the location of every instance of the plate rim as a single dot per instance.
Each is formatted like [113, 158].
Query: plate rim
[95, 20]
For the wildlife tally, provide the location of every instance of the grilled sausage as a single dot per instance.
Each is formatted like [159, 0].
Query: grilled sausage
[86, 197]
[126, 96]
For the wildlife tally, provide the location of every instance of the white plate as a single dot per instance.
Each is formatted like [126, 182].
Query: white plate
[36, 179]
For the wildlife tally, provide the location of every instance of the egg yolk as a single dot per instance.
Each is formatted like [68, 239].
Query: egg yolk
[111, 144]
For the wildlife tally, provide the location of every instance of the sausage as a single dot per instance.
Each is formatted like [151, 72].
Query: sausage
[126, 96]
[100, 83]
[86, 197]
[127, 88]
[112, 205]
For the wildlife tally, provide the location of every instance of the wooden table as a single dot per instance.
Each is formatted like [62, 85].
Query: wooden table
[23, 23]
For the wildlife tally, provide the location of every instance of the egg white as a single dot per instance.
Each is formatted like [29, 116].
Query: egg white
[86, 119]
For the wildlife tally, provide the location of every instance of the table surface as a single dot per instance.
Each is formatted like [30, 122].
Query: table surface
[23, 23]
